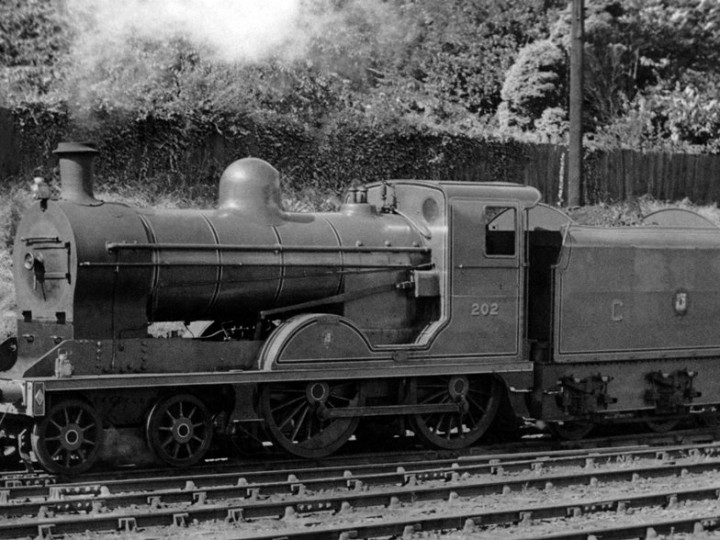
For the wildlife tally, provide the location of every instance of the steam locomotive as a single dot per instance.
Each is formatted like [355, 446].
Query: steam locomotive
[439, 305]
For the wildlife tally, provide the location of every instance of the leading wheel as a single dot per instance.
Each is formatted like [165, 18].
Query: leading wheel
[67, 439]
[179, 430]
[477, 400]
[296, 415]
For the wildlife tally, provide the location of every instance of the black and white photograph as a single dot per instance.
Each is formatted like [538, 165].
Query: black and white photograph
[360, 269]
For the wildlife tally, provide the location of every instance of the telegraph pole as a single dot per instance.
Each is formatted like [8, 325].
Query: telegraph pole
[575, 147]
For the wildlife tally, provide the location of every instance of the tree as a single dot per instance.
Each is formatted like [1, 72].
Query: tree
[461, 49]
[649, 59]
[535, 82]
[32, 33]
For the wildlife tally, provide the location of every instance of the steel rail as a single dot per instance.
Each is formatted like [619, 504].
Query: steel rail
[84, 498]
[647, 529]
[372, 473]
[277, 467]
[198, 509]
[328, 477]
[474, 521]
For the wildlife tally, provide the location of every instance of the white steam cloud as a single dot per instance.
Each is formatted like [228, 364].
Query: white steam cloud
[123, 48]
[234, 30]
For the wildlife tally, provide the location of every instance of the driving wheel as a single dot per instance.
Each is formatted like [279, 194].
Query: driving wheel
[297, 415]
[476, 399]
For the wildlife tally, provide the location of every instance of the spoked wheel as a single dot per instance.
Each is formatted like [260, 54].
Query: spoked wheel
[296, 415]
[478, 399]
[572, 431]
[179, 430]
[67, 439]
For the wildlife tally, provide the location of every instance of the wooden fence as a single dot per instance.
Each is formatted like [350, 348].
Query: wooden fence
[624, 174]
[611, 176]
[608, 175]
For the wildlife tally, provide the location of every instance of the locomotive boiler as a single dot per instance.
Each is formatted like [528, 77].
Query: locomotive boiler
[438, 305]
[103, 271]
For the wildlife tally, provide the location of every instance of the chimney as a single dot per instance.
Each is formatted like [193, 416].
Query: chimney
[76, 172]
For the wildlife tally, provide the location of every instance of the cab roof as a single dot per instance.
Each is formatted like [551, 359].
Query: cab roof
[526, 196]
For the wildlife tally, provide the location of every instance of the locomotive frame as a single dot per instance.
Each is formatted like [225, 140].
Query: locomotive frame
[439, 303]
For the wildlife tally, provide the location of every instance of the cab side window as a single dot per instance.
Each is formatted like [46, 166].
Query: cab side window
[500, 231]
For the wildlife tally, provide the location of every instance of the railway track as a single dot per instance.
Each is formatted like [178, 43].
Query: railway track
[396, 454]
[368, 500]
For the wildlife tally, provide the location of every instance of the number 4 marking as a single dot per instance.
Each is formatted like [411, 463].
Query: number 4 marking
[484, 309]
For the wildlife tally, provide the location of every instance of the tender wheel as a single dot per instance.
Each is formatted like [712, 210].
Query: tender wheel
[572, 431]
[179, 430]
[296, 415]
[67, 439]
[478, 399]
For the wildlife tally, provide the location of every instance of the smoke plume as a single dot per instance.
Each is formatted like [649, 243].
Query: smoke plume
[132, 50]
[233, 30]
